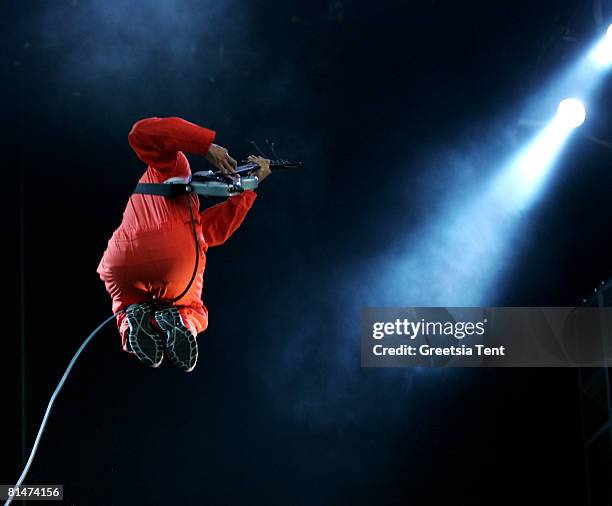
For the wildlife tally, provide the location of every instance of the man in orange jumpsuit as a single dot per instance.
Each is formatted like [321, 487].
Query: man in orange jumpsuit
[150, 258]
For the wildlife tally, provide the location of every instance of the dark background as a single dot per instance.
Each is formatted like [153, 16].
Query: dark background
[379, 99]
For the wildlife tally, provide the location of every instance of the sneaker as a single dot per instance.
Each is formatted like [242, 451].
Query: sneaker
[143, 339]
[181, 345]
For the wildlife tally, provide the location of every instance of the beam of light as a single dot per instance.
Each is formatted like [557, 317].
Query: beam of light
[524, 178]
[458, 258]
[461, 252]
[601, 54]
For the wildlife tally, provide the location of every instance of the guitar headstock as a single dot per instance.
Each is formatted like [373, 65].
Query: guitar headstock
[279, 163]
[284, 164]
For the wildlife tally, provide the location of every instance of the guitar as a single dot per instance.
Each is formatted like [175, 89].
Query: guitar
[211, 183]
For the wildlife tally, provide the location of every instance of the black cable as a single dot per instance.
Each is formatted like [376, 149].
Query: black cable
[52, 400]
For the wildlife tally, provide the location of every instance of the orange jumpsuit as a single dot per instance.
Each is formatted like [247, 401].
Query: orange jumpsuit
[152, 253]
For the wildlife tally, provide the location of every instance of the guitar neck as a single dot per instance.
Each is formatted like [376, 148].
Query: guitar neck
[274, 165]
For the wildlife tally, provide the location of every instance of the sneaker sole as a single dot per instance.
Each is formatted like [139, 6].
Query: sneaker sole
[145, 342]
[181, 344]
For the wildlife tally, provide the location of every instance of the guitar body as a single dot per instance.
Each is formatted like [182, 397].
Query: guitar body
[224, 189]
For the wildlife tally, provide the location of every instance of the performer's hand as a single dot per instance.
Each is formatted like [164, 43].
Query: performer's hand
[264, 164]
[220, 158]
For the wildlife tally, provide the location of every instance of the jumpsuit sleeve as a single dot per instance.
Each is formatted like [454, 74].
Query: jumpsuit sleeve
[157, 141]
[220, 221]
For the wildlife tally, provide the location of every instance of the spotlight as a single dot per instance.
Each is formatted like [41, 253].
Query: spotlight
[571, 112]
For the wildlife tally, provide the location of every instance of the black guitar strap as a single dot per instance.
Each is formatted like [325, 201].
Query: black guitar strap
[163, 189]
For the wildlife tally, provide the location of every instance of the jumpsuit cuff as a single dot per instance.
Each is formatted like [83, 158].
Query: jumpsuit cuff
[207, 137]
